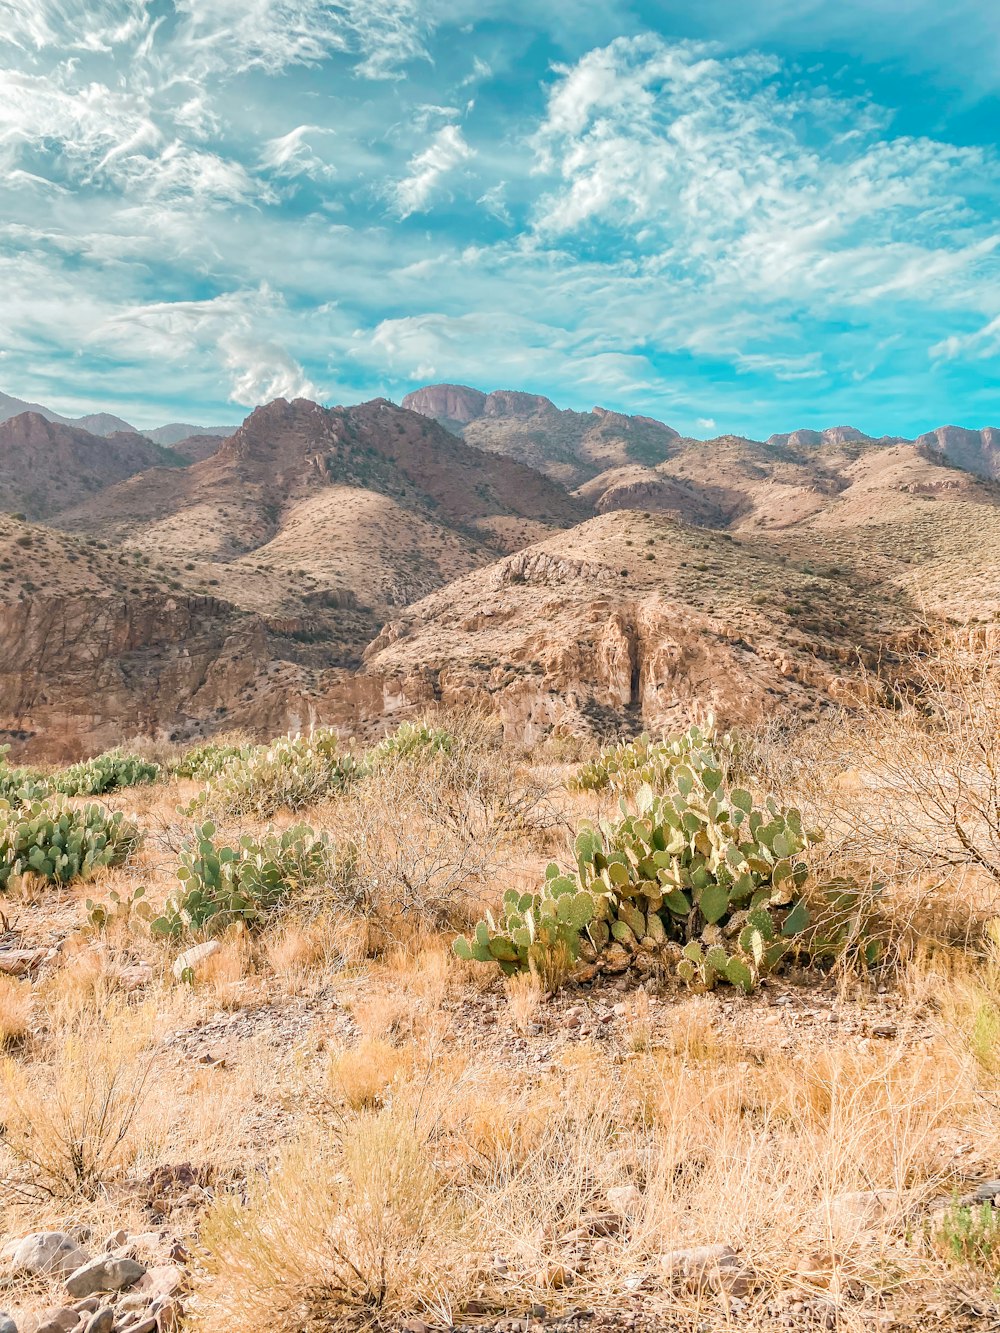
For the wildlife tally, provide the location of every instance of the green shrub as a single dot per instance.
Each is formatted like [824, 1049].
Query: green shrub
[970, 1234]
[206, 761]
[288, 774]
[623, 768]
[220, 885]
[698, 873]
[107, 772]
[411, 740]
[59, 842]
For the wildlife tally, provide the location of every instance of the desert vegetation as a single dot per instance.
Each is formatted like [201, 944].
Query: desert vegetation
[694, 1031]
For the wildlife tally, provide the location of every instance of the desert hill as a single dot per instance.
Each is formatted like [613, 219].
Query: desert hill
[46, 467]
[743, 485]
[239, 587]
[352, 564]
[570, 447]
[372, 502]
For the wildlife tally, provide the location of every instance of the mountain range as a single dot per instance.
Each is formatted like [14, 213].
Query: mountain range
[104, 423]
[577, 570]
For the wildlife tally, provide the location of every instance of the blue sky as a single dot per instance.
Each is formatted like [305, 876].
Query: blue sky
[732, 216]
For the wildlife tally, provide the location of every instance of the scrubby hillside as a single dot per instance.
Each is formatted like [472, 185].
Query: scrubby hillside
[570, 447]
[46, 467]
[282, 1052]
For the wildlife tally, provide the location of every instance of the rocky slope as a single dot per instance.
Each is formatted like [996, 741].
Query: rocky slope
[352, 565]
[570, 447]
[302, 503]
[186, 596]
[46, 467]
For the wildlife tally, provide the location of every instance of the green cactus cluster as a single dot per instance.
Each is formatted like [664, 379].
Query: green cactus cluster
[220, 885]
[206, 761]
[532, 925]
[624, 767]
[20, 785]
[410, 740]
[699, 874]
[60, 842]
[290, 773]
[107, 772]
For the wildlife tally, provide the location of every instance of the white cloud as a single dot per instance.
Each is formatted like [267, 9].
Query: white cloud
[291, 155]
[426, 169]
[77, 24]
[236, 35]
[984, 342]
[237, 328]
[494, 204]
[707, 423]
[94, 135]
[262, 371]
[743, 181]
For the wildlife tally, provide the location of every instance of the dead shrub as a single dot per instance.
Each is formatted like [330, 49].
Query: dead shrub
[69, 1126]
[342, 1232]
[16, 1003]
[432, 830]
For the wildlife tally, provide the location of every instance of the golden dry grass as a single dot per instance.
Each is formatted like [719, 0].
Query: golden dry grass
[392, 1131]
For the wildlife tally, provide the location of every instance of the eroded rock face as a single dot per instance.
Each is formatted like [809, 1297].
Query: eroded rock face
[78, 674]
[972, 450]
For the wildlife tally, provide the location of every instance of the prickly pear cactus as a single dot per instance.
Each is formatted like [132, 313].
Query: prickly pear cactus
[59, 842]
[532, 925]
[699, 867]
[625, 767]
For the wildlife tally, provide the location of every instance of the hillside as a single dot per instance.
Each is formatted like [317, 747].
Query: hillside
[354, 564]
[106, 423]
[46, 467]
[570, 447]
[371, 501]
[743, 485]
[225, 590]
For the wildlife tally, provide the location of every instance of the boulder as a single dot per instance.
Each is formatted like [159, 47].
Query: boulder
[47, 1253]
[108, 1272]
[191, 958]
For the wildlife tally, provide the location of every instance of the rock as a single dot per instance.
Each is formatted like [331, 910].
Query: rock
[555, 1276]
[7, 1324]
[143, 1326]
[192, 957]
[116, 1240]
[47, 1253]
[108, 1272]
[164, 1280]
[416, 1326]
[696, 1259]
[102, 1321]
[848, 1214]
[537, 1312]
[57, 1319]
[87, 1306]
[708, 1267]
[168, 1313]
[616, 959]
[624, 1199]
[15, 962]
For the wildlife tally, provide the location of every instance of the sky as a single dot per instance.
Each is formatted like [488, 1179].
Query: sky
[737, 216]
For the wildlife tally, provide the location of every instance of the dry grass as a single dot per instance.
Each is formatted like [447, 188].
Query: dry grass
[16, 1004]
[345, 1230]
[362, 1076]
[524, 1000]
[70, 1123]
[403, 1132]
